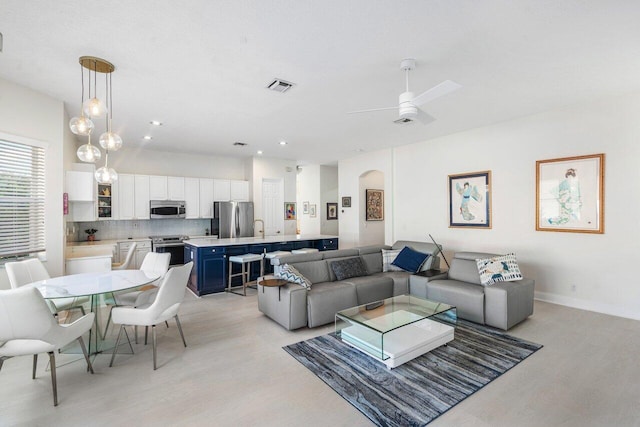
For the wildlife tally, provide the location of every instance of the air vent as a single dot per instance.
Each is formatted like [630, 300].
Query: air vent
[279, 85]
[240, 144]
[402, 121]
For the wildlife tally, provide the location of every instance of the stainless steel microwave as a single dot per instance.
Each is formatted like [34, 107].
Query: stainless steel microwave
[166, 209]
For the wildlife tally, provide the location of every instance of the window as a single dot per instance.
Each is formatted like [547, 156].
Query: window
[22, 194]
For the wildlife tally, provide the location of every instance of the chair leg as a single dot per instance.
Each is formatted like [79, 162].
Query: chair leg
[128, 340]
[180, 329]
[166, 323]
[106, 328]
[1, 362]
[83, 312]
[146, 334]
[113, 355]
[54, 383]
[35, 364]
[86, 355]
[153, 338]
[135, 333]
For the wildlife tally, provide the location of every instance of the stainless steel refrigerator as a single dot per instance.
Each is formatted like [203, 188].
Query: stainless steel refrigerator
[232, 219]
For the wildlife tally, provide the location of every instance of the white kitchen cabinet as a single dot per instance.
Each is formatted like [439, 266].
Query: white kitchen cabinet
[158, 187]
[92, 264]
[206, 198]
[142, 249]
[81, 186]
[192, 197]
[239, 190]
[141, 206]
[221, 190]
[175, 188]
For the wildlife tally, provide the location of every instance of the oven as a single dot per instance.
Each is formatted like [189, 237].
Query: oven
[173, 245]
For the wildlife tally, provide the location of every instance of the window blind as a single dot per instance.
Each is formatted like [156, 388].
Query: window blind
[22, 193]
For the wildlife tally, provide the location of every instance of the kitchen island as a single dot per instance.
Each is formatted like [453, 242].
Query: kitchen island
[210, 256]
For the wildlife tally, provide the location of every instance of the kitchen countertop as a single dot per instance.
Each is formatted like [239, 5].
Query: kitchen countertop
[108, 242]
[207, 242]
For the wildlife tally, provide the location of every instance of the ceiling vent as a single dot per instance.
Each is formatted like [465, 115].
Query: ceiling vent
[240, 144]
[404, 120]
[279, 85]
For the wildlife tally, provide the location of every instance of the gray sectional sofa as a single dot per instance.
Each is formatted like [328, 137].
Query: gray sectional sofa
[501, 305]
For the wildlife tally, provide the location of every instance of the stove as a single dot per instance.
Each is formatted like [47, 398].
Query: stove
[170, 244]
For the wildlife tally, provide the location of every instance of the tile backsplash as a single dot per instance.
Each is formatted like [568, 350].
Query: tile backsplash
[114, 230]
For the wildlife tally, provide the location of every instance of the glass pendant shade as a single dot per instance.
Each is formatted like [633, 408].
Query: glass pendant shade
[110, 141]
[93, 107]
[88, 153]
[106, 175]
[81, 125]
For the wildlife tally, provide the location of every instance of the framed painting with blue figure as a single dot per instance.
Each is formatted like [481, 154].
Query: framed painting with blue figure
[470, 200]
[570, 194]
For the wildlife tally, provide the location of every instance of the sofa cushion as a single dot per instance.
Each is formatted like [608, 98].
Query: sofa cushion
[332, 275]
[373, 262]
[326, 299]
[291, 274]
[498, 269]
[347, 268]
[339, 253]
[464, 267]
[467, 298]
[400, 281]
[410, 260]
[372, 288]
[315, 271]
[388, 256]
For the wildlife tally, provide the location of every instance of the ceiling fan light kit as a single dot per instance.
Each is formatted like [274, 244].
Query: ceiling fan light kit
[95, 107]
[408, 103]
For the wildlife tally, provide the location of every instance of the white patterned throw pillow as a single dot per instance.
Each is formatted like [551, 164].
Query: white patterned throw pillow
[290, 274]
[502, 268]
[388, 256]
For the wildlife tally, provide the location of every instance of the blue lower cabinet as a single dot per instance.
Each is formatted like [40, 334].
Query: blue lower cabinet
[327, 244]
[301, 244]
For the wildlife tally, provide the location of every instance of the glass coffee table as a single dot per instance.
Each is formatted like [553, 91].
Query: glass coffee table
[398, 329]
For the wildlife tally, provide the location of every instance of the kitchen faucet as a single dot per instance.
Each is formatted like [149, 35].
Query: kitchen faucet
[261, 221]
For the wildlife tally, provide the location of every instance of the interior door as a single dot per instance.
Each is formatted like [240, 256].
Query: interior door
[273, 206]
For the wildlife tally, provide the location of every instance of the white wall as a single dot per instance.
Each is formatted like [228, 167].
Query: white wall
[599, 266]
[371, 232]
[328, 194]
[264, 167]
[308, 188]
[29, 114]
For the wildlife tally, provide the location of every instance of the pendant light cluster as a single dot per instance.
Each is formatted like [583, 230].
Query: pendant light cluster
[93, 107]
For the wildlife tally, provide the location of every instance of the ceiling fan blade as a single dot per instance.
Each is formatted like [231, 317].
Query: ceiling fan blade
[373, 109]
[425, 118]
[437, 91]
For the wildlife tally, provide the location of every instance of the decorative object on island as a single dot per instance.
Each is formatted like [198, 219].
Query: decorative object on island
[290, 210]
[94, 107]
[91, 234]
[346, 202]
[570, 194]
[375, 205]
[470, 200]
[312, 211]
[305, 208]
[332, 211]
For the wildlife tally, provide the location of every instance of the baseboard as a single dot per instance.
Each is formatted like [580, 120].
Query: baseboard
[597, 307]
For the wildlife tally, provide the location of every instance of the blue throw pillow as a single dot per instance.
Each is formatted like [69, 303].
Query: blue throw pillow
[410, 260]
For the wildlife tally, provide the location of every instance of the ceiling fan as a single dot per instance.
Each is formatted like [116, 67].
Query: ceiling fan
[409, 104]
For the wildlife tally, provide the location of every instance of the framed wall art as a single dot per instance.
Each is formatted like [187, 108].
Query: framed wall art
[470, 200]
[332, 211]
[570, 194]
[346, 202]
[312, 211]
[305, 208]
[374, 205]
[290, 210]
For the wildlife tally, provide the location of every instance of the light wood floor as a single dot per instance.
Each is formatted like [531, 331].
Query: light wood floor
[235, 373]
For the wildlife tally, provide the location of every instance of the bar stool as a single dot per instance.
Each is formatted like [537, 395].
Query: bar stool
[270, 255]
[245, 260]
[304, 251]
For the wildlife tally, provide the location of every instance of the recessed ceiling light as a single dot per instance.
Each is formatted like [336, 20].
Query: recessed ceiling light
[283, 142]
[259, 151]
[147, 137]
[155, 123]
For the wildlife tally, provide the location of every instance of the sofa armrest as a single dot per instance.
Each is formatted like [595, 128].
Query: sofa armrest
[508, 303]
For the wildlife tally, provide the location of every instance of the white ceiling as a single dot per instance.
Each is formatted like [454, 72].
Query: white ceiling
[201, 67]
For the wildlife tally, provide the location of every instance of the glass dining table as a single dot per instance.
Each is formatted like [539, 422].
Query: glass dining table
[93, 285]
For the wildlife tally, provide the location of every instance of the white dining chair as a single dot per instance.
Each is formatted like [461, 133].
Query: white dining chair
[27, 328]
[164, 307]
[127, 261]
[32, 270]
[154, 264]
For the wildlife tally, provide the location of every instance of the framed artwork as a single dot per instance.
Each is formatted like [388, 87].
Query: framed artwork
[312, 211]
[346, 202]
[470, 200]
[305, 208]
[332, 211]
[570, 194]
[374, 205]
[290, 210]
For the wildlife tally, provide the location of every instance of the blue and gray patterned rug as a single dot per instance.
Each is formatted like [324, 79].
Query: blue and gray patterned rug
[417, 392]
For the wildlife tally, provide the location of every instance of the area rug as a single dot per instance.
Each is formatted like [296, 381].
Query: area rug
[417, 392]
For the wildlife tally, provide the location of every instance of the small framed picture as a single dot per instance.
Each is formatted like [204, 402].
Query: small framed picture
[290, 210]
[332, 211]
[305, 208]
[470, 200]
[346, 202]
[312, 211]
[375, 205]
